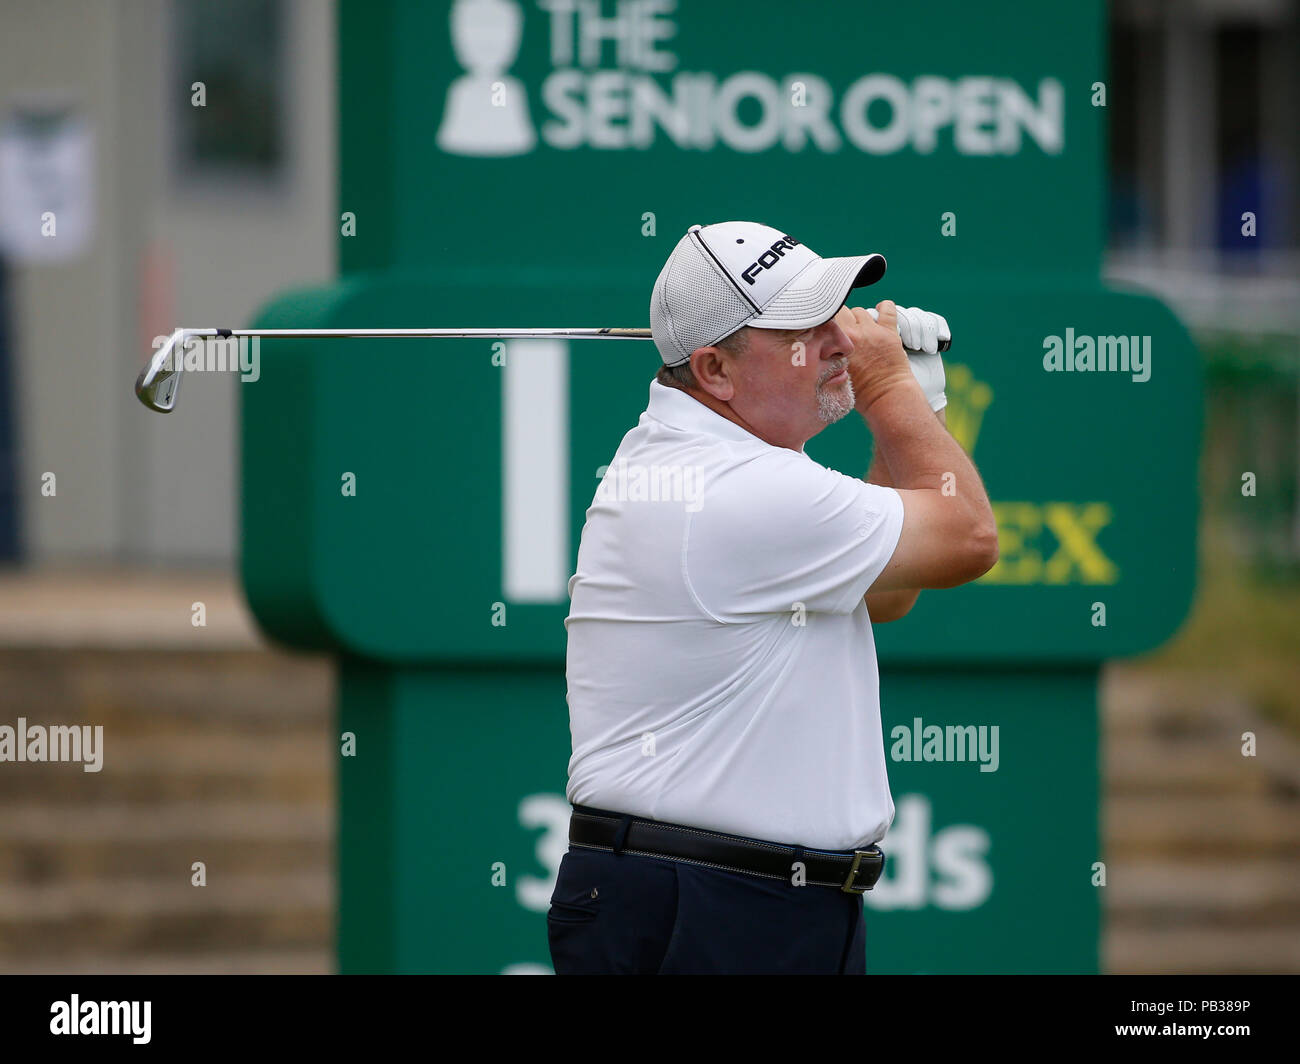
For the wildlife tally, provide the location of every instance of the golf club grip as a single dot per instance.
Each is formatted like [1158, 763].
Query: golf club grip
[943, 344]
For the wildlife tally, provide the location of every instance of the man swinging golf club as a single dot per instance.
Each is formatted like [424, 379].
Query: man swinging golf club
[728, 771]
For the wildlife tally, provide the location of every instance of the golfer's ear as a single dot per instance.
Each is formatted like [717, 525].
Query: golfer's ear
[712, 369]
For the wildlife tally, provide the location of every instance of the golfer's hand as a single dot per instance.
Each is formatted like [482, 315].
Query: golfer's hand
[922, 332]
[877, 362]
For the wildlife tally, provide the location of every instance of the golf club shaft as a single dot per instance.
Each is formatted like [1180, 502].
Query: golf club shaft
[445, 334]
[418, 334]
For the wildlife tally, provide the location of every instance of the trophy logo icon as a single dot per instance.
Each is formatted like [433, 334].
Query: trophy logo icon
[968, 398]
[487, 110]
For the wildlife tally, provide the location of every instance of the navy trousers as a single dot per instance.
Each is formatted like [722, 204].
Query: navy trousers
[624, 914]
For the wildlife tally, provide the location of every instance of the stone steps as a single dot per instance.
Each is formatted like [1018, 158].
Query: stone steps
[308, 961]
[209, 926]
[156, 771]
[1146, 767]
[1231, 824]
[147, 916]
[51, 860]
[1253, 892]
[1201, 950]
[193, 821]
[220, 757]
[1202, 843]
[164, 685]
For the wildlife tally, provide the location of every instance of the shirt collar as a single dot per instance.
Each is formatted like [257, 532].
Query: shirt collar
[681, 410]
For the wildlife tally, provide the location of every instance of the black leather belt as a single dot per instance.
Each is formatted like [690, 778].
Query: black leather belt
[852, 871]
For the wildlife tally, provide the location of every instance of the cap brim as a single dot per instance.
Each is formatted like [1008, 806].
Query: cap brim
[818, 291]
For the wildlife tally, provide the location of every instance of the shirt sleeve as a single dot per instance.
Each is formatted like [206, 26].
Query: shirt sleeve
[783, 529]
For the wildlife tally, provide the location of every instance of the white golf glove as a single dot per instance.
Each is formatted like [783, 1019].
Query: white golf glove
[921, 332]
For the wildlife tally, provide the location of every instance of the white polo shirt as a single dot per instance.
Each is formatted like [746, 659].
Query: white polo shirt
[721, 666]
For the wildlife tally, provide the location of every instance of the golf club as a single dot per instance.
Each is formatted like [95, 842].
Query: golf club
[160, 380]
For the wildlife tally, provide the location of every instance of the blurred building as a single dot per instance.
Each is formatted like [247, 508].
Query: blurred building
[177, 208]
[1205, 148]
[1205, 210]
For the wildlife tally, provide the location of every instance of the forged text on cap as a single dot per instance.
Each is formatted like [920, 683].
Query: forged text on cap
[769, 258]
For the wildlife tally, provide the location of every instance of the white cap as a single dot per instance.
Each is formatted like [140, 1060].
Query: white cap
[724, 276]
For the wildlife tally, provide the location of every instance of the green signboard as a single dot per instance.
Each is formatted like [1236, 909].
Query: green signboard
[415, 507]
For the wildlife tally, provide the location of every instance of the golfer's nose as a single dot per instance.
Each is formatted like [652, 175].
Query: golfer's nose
[837, 342]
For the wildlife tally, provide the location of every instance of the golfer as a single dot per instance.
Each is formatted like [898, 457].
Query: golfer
[728, 771]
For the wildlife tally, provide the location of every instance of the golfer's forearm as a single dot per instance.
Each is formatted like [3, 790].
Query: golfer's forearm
[878, 470]
[883, 606]
[920, 454]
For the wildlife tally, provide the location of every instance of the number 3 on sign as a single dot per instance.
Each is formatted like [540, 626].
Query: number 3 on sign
[550, 812]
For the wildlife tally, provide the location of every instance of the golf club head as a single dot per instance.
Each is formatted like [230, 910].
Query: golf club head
[160, 380]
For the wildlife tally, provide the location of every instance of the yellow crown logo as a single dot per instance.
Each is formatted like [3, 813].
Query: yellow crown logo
[968, 398]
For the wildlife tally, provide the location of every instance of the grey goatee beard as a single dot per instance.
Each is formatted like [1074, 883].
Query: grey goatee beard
[838, 402]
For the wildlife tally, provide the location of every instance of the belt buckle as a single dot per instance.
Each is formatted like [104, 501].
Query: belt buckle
[849, 885]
